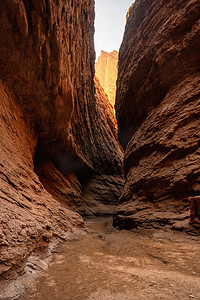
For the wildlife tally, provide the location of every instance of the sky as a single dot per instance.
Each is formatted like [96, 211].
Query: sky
[110, 20]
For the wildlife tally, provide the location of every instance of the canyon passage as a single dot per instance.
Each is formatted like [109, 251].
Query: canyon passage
[66, 162]
[113, 265]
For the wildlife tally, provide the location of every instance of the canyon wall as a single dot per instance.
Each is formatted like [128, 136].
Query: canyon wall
[158, 113]
[106, 69]
[101, 191]
[57, 134]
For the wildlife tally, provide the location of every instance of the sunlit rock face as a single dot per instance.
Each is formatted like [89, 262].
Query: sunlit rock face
[106, 69]
[54, 135]
[158, 113]
[128, 12]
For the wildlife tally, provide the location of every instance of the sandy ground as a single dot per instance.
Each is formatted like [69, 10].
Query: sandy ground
[121, 265]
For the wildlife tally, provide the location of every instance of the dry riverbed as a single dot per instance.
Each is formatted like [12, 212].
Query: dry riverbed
[121, 265]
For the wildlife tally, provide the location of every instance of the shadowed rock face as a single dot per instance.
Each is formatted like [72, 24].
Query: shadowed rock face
[36, 64]
[158, 112]
[54, 135]
[93, 169]
[101, 193]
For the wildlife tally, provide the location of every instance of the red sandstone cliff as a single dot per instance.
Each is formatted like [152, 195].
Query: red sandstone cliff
[54, 136]
[158, 112]
[106, 69]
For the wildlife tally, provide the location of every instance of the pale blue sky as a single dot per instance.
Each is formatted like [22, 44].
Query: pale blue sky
[110, 21]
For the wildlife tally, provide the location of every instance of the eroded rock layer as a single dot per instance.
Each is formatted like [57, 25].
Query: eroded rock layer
[158, 112]
[55, 134]
[102, 191]
[29, 215]
[106, 69]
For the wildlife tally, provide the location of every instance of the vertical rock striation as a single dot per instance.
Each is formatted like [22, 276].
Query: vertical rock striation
[106, 69]
[55, 134]
[104, 156]
[158, 113]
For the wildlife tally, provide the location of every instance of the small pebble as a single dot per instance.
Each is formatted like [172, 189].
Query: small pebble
[191, 296]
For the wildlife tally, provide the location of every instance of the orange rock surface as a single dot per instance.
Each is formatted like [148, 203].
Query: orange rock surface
[57, 133]
[106, 69]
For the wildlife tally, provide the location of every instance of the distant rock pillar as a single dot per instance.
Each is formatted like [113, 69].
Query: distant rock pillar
[106, 69]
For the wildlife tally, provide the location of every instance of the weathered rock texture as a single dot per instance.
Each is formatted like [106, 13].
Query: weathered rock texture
[29, 215]
[55, 134]
[102, 191]
[106, 69]
[158, 112]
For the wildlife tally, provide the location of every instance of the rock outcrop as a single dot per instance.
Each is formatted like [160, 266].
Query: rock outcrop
[106, 69]
[56, 136]
[158, 113]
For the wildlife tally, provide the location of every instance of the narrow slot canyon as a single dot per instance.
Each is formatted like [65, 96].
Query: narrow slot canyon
[99, 153]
